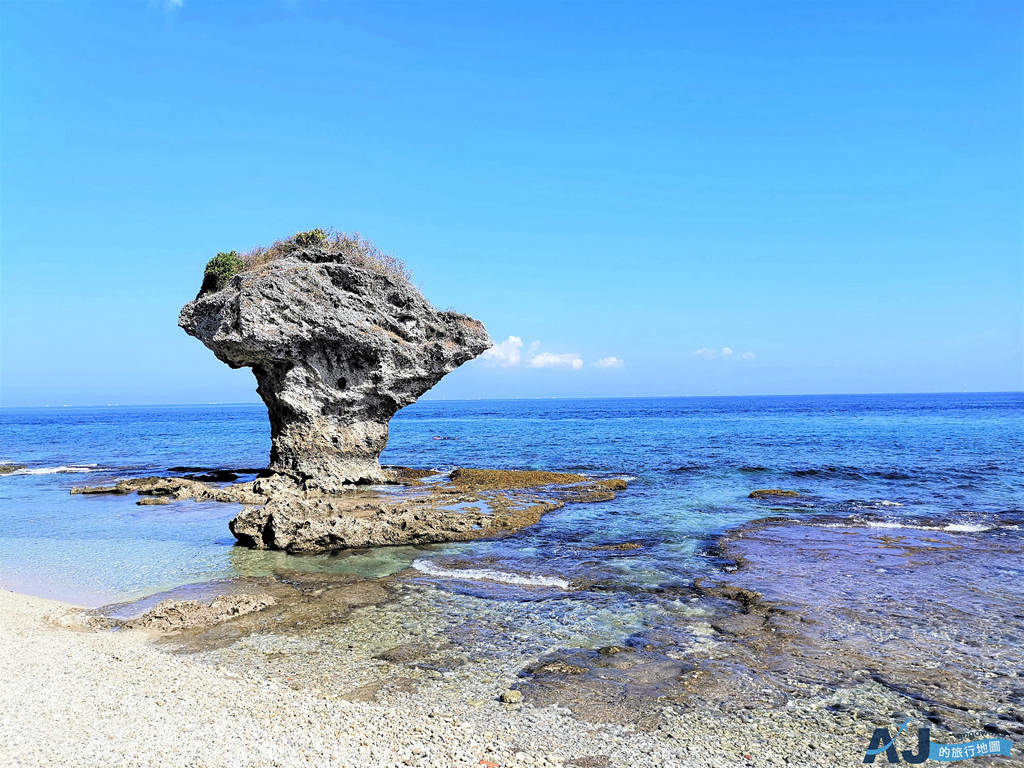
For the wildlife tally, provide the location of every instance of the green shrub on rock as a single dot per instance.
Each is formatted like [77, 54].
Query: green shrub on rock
[311, 238]
[220, 269]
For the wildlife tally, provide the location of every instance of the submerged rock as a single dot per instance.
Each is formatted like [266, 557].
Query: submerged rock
[337, 347]
[764, 493]
[153, 501]
[510, 478]
[624, 546]
[173, 615]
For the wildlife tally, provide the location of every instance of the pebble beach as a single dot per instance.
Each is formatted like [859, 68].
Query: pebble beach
[77, 697]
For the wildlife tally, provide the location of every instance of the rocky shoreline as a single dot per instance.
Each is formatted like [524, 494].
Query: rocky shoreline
[928, 613]
[742, 670]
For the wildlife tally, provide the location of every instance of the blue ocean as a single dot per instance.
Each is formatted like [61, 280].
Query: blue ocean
[943, 461]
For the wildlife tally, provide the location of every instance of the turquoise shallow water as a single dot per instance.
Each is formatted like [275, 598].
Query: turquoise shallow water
[944, 461]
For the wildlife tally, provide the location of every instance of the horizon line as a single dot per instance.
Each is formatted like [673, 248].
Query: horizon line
[538, 398]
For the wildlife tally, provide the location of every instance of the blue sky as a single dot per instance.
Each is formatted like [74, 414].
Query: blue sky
[724, 197]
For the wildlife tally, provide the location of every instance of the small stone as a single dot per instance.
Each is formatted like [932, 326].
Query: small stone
[147, 501]
[511, 696]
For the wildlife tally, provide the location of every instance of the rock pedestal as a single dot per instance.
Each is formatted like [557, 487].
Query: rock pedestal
[336, 349]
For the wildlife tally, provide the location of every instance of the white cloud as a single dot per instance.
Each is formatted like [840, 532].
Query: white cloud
[550, 360]
[610, 362]
[507, 354]
[725, 353]
[510, 354]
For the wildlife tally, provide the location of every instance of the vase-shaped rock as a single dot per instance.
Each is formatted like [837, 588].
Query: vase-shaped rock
[336, 349]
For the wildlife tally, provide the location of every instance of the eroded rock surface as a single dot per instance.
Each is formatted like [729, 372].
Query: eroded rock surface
[417, 507]
[425, 513]
[177, 488]
[336, 349]
[171, 615]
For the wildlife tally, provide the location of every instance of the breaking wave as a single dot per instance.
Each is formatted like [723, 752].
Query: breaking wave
[955, 527]
[894, 524]
[487, 574]
[61, 470]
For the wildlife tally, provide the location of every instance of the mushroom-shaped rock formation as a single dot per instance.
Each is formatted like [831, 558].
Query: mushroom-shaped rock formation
[338, 341]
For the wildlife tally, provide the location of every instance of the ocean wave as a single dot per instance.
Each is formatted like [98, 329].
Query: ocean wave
[851, 473]
[61, 470]
[487, 574]
[969, 527]
[895, 524]
[953, 527]
[872, 504]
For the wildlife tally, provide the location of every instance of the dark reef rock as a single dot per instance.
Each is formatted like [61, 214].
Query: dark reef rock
[768, 493]
[336, 349]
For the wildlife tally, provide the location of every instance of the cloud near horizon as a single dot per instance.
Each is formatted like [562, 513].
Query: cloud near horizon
[725, 353]
[509, 354]
[550, 360]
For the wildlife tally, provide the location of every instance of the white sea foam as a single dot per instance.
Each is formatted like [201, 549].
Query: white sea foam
[968, 527]
[64, 469]
[951, 527]
[487, 574]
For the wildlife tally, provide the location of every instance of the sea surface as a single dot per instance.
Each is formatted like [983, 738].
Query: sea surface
[948, 462]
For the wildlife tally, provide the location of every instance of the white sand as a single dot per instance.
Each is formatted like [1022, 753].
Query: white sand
[83, 698]
[76, 697]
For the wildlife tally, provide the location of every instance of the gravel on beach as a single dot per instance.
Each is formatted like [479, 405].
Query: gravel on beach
[73, 696]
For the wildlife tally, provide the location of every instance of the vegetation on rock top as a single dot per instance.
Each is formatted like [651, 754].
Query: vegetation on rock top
[220, 269]
[320, 244]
